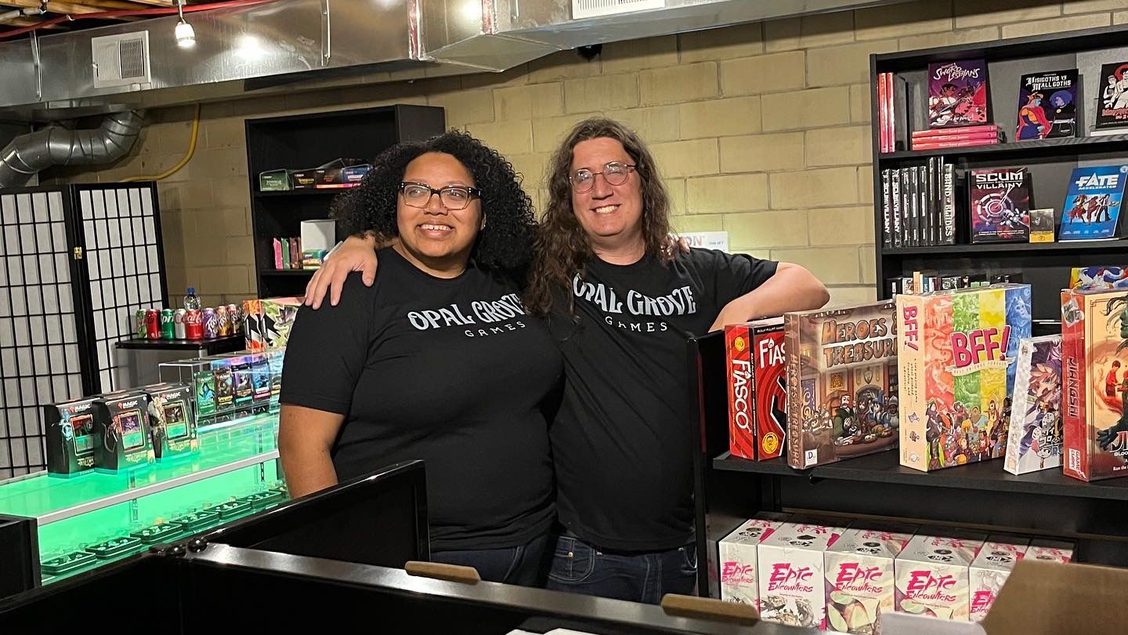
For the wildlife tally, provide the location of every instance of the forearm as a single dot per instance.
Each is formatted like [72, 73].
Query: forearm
[306, 462]
[792, 288]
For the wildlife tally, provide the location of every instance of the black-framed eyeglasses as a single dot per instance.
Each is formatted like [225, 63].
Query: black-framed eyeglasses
[614, 172]
[453, 197]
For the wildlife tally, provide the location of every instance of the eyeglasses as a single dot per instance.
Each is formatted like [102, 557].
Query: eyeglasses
[615, 173]
[453, 197]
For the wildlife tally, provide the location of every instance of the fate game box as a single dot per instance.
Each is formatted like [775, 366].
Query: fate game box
[955, 365]
[841, 383]
[1094, 371]
[757, 394]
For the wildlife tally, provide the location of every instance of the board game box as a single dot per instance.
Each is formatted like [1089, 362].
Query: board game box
[932, 575]
[841, 383]
[999, 204]
[757, 393]
[990, 570]
[1091, 210]
[859, 576]
[1047, 105]
[1095, 278]
[737, 554]
[791, 574]
[955, 366]
[957, 93]
[1094, 356]
[1035, 437]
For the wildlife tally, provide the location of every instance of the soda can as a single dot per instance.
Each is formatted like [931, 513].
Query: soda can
[153, 324]
[223, 329]
[236, 319]
[210, 323]
[139, 330]
[178, 328]
[193, 324]
[167, 327]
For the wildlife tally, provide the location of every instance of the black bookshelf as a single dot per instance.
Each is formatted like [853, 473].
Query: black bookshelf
[305, 141]
[1050, 161]
[980, 496]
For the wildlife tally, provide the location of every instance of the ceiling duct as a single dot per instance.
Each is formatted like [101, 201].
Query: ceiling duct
[54, 145]
[342, 42]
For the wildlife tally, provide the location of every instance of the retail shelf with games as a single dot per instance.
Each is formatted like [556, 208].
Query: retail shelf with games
[298, 142]
[980, 496]
[1049, 161]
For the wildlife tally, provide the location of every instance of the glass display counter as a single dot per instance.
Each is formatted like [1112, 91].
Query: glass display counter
[94, 518]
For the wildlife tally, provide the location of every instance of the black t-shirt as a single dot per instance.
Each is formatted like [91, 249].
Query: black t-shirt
[449, 371]
[620, 441]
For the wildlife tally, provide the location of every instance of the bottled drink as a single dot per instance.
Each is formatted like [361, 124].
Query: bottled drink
[191, 300]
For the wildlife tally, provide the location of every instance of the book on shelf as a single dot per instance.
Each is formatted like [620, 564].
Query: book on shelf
[918, 205]
[1112, 100]
[957, 93]
[1092, 205]
[940, 138]
[999, 205]
[1042, 225]
[1047, 105]
[892, 111]
[927, 281]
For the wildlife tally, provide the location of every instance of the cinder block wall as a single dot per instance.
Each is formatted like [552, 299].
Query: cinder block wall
[761, 130]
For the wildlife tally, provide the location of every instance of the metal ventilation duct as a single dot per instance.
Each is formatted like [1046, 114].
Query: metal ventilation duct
[54, 145]
[247, 49]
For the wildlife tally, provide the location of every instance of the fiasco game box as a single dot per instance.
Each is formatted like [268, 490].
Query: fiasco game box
[841, 383]
[757, 394]
[955, 366]
[1094, 347]
[1035, 437]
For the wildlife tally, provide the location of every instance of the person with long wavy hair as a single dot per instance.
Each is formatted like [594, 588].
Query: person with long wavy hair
[620, 296]
[437, 361]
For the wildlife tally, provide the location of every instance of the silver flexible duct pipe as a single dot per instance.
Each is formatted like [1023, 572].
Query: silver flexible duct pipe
[30, 153]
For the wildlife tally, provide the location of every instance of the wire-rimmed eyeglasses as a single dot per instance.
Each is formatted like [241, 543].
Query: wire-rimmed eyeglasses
[614, 172]
[453, 197]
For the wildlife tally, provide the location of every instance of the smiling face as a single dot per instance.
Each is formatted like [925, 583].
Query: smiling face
[436, 239]
[611, 215]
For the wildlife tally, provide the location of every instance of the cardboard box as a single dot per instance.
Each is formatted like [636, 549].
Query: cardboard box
[841, 383]
[70, 436]
[1046, 598]
[267, 322]
[197, 374]
[1034, 441]
[737, 556]
[757, 392]
[932, 575]
[1095, 384]
[791, 574]
[1050, 551]
[172, 420]
[275, 181]
[121, 427]
[859, 569]
[955, 363]
[989, 571]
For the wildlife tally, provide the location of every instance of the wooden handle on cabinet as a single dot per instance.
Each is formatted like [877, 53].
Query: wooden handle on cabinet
[440, 571]
[709, 609]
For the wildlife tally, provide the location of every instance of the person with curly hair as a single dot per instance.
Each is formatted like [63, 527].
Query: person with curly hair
[437, 360]
[621, 297]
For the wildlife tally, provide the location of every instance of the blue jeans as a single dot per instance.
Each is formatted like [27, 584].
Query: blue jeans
[579, 567]
[524, 564]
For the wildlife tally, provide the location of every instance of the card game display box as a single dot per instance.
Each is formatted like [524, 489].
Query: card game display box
[121, 425]
[859, 576]
[932, 575]
[172, 421]
[791, 574]
[1094, 347]
[267, 322]
[737, 555]
[955, 363]
[989, 571]
[70, 436]
[757, 392]
[841, 383]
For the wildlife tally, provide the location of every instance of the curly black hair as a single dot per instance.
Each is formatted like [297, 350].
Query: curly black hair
[505, 245]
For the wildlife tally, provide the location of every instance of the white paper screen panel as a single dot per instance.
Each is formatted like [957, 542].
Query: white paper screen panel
[119, 231]
[39, 354]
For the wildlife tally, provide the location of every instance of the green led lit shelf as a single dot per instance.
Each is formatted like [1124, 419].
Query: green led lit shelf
[225, 448]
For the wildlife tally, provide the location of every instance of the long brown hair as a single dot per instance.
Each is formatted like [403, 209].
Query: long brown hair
[562, 247]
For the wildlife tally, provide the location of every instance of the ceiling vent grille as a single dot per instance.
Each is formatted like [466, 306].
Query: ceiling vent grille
[121, 60]
[594, 8]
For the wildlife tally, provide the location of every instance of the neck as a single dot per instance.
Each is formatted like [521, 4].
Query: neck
[626, 252]
[451, 267]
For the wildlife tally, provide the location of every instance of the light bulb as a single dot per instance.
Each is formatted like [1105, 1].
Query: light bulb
[185, 35]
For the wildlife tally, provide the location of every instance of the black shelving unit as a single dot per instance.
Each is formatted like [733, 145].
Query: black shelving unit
[1050, 161]
[305, 141]
[980, 496]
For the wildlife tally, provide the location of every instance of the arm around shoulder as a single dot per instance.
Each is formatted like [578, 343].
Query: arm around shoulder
[791, 288]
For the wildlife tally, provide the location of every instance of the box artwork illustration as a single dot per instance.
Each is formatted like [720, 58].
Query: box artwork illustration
[859, 576]
[932, 575]
[955, 356]
[791, 574]
[1094, 350]
[841, 383]
[757, 392]
[738, 561]
[1035, 437]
